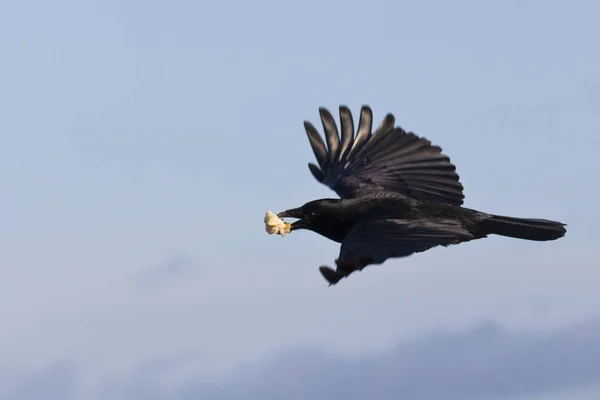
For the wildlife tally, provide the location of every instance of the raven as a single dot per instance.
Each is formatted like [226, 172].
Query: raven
[399, 195]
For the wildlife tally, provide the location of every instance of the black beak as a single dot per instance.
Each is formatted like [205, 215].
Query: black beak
[291, 213]
[300, 224]
[294, 213]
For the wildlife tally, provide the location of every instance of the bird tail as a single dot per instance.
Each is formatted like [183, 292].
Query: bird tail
[523, 228]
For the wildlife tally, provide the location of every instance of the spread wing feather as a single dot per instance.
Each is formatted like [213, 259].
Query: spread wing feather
[388, 159]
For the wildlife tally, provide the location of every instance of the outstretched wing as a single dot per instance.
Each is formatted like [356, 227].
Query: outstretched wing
[389, 159]
[373, 242]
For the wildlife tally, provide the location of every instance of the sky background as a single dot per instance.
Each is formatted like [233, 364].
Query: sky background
[142, 142]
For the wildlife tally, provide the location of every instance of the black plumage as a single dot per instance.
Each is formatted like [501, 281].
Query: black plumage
[399, 195]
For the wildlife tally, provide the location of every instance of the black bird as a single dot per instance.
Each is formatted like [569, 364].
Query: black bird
[399, 195]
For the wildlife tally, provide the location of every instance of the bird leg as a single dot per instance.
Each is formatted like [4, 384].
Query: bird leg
[330, 275]
[343, 269]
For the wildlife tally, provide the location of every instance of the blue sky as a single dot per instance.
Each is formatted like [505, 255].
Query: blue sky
[142, 143]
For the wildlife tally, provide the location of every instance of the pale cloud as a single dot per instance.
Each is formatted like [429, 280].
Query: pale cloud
[486, 361]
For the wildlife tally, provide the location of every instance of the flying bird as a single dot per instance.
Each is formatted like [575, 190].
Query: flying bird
[398, 195]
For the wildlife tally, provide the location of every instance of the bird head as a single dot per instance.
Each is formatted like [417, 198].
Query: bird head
[311, 215]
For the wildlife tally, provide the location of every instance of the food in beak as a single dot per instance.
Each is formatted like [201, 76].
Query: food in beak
[275, 225]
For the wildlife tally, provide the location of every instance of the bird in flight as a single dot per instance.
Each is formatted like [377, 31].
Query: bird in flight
[399, 195]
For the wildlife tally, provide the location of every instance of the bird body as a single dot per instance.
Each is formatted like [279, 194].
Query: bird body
[399, 195]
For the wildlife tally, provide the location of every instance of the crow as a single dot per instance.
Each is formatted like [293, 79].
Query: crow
[399, 195]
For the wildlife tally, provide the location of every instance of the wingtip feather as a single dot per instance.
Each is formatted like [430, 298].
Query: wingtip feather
[316, 143]
[331, 132]
[316, 172]
[347, 125]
